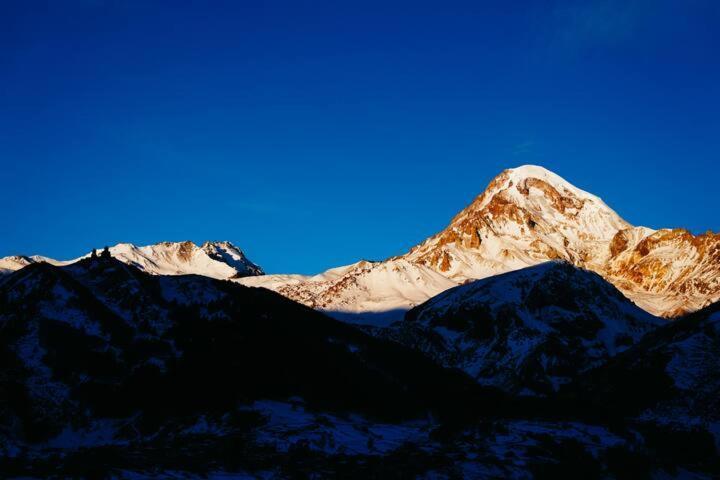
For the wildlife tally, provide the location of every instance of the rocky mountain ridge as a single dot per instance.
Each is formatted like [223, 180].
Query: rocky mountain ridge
[526, 216]
[220, 260]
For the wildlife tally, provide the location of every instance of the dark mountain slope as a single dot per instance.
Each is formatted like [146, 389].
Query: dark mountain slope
[672, 376]
[112, 373]
[527, 331]
[100, 339]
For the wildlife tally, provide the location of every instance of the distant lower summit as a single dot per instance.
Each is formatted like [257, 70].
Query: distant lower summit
[220, 260]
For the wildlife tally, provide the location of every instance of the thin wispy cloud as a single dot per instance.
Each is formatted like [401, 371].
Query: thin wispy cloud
[522, 148]
[598, 23]
[578, 26]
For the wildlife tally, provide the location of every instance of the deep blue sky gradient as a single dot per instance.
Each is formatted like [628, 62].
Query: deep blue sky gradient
[313, 134]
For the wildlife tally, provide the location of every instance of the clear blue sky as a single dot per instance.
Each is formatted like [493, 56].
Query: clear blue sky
[313, 134]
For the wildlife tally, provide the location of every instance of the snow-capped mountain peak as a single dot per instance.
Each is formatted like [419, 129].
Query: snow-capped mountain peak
[545, 194]
[527, 215]
[14, 262]
[221, 260]
[519, 176]
[231, 255]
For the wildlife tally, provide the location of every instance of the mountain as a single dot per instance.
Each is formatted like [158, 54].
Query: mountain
[527, 331]
[526, 216]
[364, 292]
[15, 262]
[671, 377]
[669, 272]
[101, 353]
[529, 215]
[110, 372]
[665, 388]
[221, 260]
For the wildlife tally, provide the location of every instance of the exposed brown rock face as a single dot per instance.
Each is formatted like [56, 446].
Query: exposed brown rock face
[560, 202]
[619, 243]
[503, 208]
[676, 263]
[445, 264]
[185, 250]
